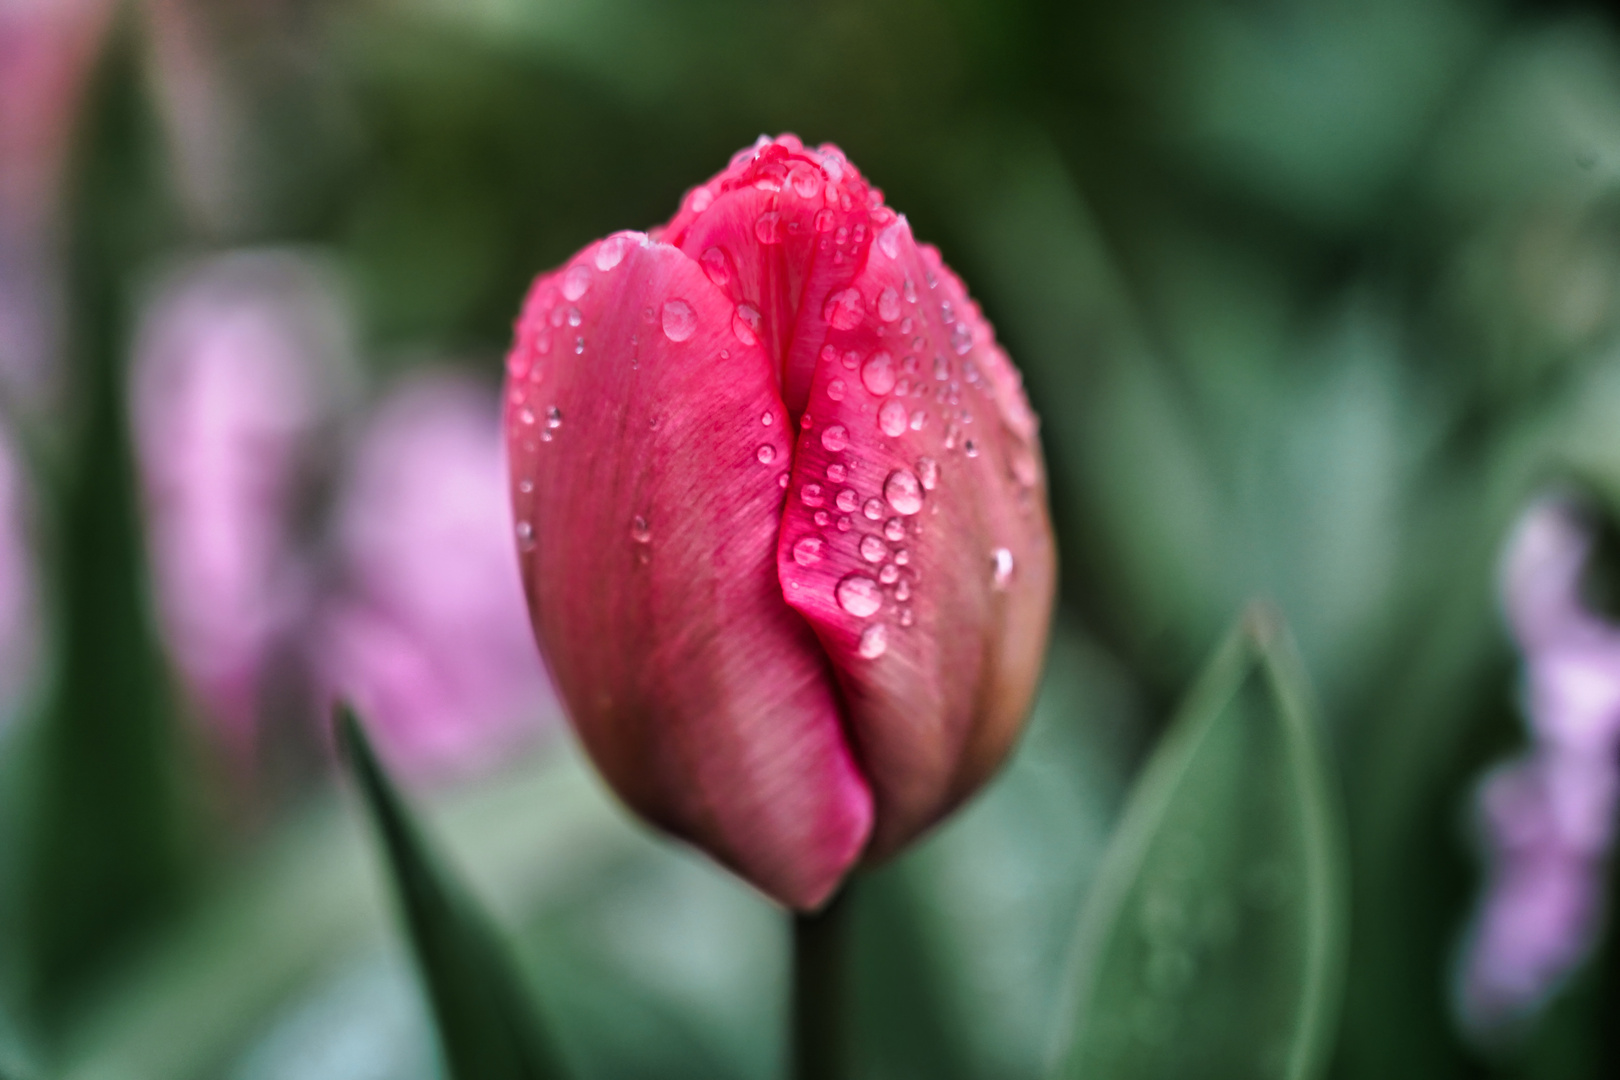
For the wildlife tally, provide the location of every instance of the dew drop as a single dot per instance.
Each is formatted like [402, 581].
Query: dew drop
[910, 291]
[526, 486]
[768, 227]
[873, 549]
[805, 421]
[918, 419]
[526, 415]
[889, 574]
[680, 321]
[640, 531]
[874, 641]
[942, 368]
[889, 304]
[702, 198]
[903, 492]
[873, 509]
[579, 346]
[745, 323]
[835, 389]
[892, 417]
[906, 618]
[806, 181]
[961, 339]
[849, 500]
[554, 418]
[610, 253]
[824, 220]
[822, 518]
[575, 282]
[970, 447]
[716, 266]
[525, 535]
[766, 453]
[902, 558]
[894, 529]
[844, 523]
[928, 472]
[807, 552]
[767, 419]
[1001, 568]
[844, 309]
[859, 595]
[782, 481]
[574, 317]
[889, 241]
[836, 473]
[811, 495]
[835, 438]
[877, 374]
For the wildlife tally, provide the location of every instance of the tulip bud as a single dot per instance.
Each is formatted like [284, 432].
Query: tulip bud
[781, 513]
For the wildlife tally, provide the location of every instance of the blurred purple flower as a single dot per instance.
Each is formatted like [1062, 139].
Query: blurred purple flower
[237, 365]
[46, 52]
[19, 626]
[430, 638]
[1547, 818]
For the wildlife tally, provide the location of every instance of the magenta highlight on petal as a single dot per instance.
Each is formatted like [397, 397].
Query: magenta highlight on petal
[427, 633]
[1546, 819]
[239, 362]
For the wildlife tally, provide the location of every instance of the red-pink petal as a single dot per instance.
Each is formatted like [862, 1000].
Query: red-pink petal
[648, 518]
[918, 441]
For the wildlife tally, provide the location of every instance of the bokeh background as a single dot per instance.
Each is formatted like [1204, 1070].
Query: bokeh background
[1319, 301]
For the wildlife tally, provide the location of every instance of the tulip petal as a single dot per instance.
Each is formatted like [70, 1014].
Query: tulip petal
[918, 488]
[656, 442]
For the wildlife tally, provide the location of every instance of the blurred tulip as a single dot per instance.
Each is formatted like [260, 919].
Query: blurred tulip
[46, 53]
[19, 627]
[782, 516]
[237, 365]
[428, 637]
[1548, 818]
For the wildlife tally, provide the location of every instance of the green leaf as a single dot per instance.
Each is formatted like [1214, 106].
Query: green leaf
[486, 1019]
[1213, 944]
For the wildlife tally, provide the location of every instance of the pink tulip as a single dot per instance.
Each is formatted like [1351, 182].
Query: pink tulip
[428, 636]
[782, 517]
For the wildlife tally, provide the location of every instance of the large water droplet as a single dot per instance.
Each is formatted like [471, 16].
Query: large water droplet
[1001, 568]
[766, 453]
[844, 309]
[807, 552]
[680, 321]
[849, 500]
[640, 531]
[811, 495]
[835, 389]
[859, 595]
[745, 323]
[836, 473]
[806, 181]
[768, 227]
[835, 438]
[610, 253]
[877, 374]
[903, 492]
[874, 641]
[873, 549]
[716, 266]
[576, 281]
[892, 417]
[889, 304]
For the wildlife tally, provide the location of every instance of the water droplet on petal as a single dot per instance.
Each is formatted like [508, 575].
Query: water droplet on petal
[874, 641]
[766, 453]
[928, 472]
[894, 529]
[889, 241]
[716, 266]
[807, 552]
[745, 323]
[844, 309]
[525, 535]
[574, 317]
[526, 415]
[579, 346]
[906, 618]
[859, 595]
[903, 558]
[961, 339]
[970, 448]
[873, 509]
[640, 531]
[768, 227]
[903, 492]
[822, 518]
[806, 181]
[836, 473]
[610, 253]
[1001, 566]
[889, 574]
[526, 486]
[575, 282]
[918, 419]
[835, 438]
[873, 549]
[811, 495]
[892, 417]
[877, 374]
[782, 481]
[844, 523]
[835, 389]
[889, 304]
[554, 417]
[680, 321]
[848, 500]
[702, 198]
[824, 220]
[909, 290]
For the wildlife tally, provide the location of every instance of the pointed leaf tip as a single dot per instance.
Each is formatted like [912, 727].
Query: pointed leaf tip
[486, 1019]
[1213, 942]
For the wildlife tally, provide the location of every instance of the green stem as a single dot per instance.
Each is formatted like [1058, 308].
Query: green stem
[820, 944]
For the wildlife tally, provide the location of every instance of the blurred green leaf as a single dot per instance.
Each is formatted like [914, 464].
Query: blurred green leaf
[16, 1063]
[1213, 943]
[486, 1019]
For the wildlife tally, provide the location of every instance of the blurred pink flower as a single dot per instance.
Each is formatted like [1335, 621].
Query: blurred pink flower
[46, 52]
[237, 365]
[1547, 818]
[429, 637]
[19, 626]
